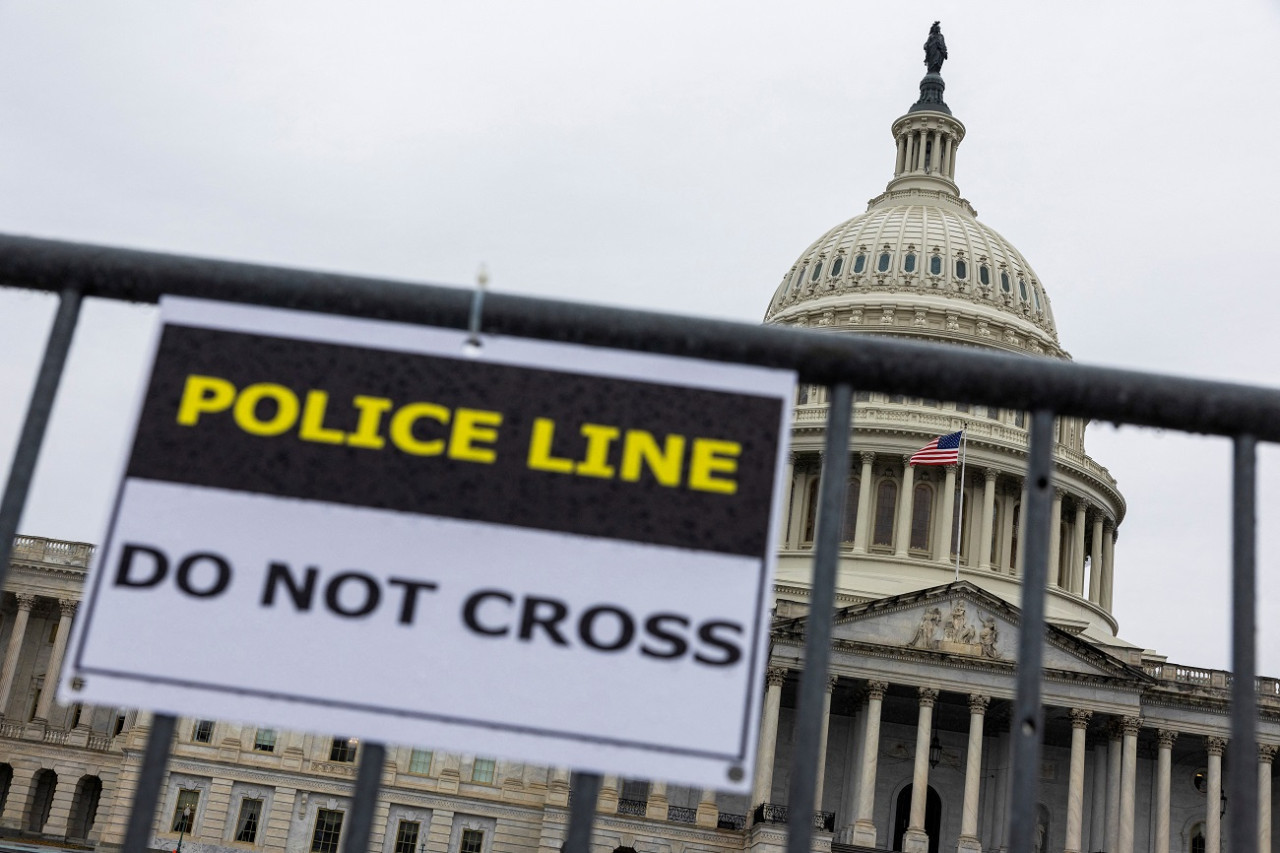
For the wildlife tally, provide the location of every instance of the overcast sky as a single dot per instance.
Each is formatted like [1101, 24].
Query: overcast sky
[673, 156]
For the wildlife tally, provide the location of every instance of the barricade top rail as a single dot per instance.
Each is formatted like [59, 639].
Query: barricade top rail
[871, 362]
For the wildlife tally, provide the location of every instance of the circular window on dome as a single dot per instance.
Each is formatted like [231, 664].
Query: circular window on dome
[984, 274]
[860, 262]
[935, 265]
[883, 265]
[817, 271]
[1022, 289]
[909, 262]
[1004, 282]
[962, 269]
[837, 265]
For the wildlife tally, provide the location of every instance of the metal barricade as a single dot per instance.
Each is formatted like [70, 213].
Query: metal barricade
[1048, 389]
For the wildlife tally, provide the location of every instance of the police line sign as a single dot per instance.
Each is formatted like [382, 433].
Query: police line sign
[537, 551]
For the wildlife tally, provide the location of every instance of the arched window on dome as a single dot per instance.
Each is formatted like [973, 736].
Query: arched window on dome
[1022, 289]
[1035, 295]
[921, 516]
[984, 274]
[963, 407]
[851, 510]
[795, 282]
[886, 501]
[883, 265]
[962, 269]
[1004, 282]
[817, 272]
[802, 394]
[909, 262]
[860, 262]
[837, 265]
[811, 512]
[935, 264]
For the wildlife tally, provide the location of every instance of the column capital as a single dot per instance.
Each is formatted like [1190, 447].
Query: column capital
[1215, 745]
[1083, 505]
[867, 457]
[794, 457]
[978, 703]
[1130, 725]
[906, 460]
[928, 697]
[1266, 753]
[1115, 731]
[877, 689]
[1059, 493]
[775, 676]
[990, 474]
[1098, 515]
[831, 682]
[25, 602]
[1167, 737]
[1080, 718]
[951, 469]
[67, 607]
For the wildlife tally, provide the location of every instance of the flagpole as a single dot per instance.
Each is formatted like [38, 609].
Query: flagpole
[964, 445]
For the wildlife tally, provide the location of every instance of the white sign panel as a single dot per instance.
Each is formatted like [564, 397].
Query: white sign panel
[542, 552]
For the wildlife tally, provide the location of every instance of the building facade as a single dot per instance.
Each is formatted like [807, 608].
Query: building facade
[916, 747]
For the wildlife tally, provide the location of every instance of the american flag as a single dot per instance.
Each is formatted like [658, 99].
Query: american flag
[943, 450]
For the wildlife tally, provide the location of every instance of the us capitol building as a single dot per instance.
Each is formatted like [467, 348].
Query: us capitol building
[916, 744]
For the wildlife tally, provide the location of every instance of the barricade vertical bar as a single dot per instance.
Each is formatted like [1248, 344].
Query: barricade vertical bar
[1242, 749]
[582, 812]
[137, 836]
[373, 757]
[33, 428]
[817, 641]
[1028, 719]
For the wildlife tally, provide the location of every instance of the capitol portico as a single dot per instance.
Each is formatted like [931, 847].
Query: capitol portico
[915, 750]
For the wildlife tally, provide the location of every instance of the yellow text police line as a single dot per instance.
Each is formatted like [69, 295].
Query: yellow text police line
[421, 428]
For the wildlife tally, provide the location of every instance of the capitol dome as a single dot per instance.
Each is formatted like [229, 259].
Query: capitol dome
[919, 259]
[919, 264]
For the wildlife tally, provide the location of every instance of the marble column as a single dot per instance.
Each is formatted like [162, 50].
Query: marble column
[1128, 782]
[768, 735]
[708, 814]
[946, 519]
[1215, 746]
[972, 776]
[788, 477]
[66, 610]
[862, 532]
[1109, 536]
[916, 839]
[1075, 576]
[988, 517]
[1095, 556]
[656, 807]
[14, 649]
[798, 483]
[1006, 534]
[1075, 780]
[1113, 786]
[1055, 538]
[864, 828]
[1098, 810]
[823, 731]
[902, 154]
[1164, 763]
[903, 530]
[1266, 755]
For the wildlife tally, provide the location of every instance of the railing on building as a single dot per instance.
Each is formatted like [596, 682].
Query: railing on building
[1045, 388]
[636, 808]
[775, 813]
[736, 822]
[682, 814]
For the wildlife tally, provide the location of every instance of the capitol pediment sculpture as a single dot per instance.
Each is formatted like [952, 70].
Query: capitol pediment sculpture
[956, 634]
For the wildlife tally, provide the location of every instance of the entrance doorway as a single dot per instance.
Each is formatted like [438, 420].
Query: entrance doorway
[932, 817]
